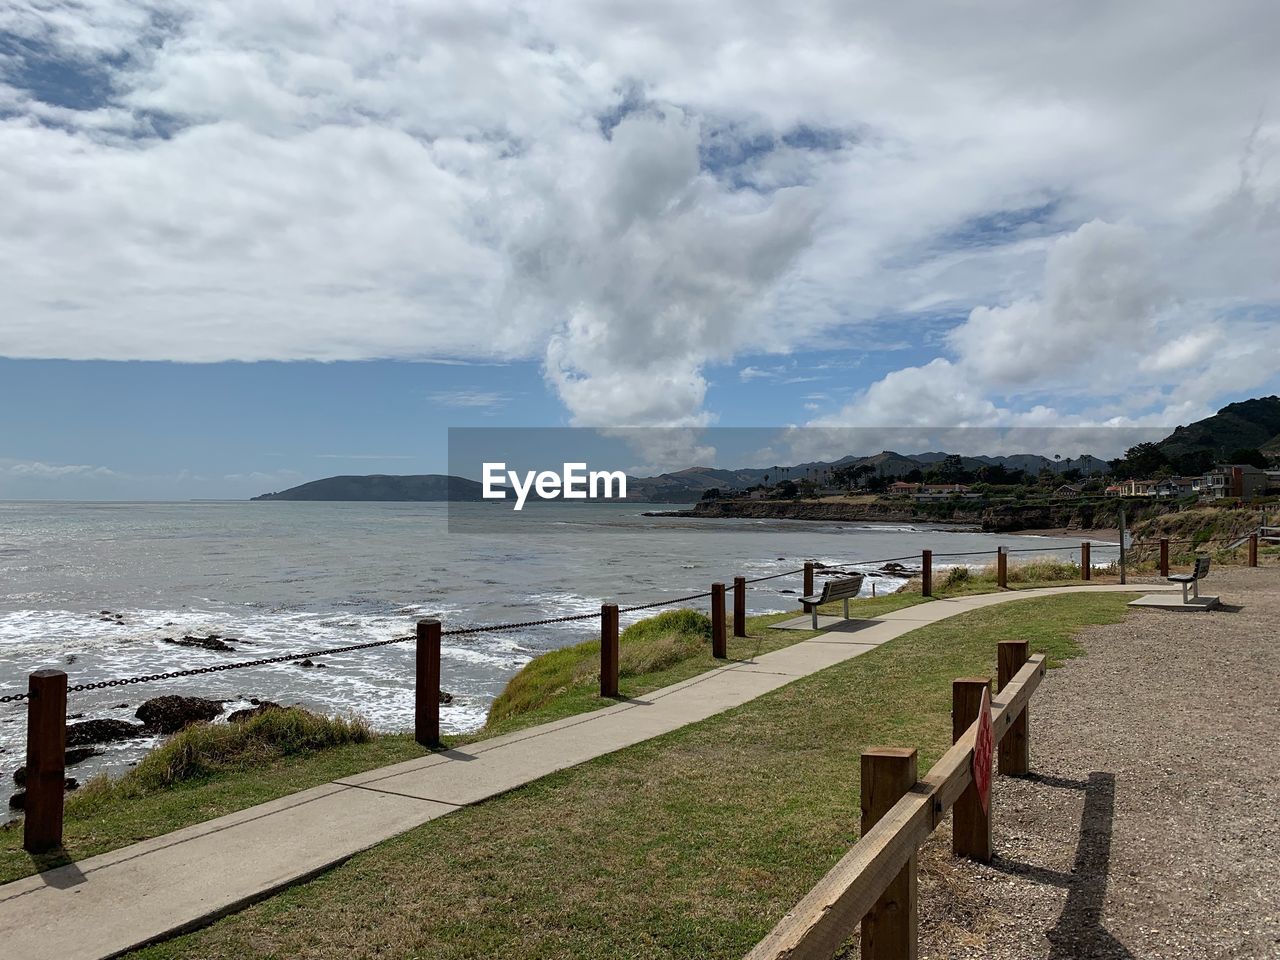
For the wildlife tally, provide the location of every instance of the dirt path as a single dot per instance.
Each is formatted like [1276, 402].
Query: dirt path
[1151, 826]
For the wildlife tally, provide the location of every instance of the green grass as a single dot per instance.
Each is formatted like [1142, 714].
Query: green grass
[210, 770]
[690, 845]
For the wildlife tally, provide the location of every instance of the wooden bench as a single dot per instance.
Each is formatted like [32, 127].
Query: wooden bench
[833, 590]
[1192, 579]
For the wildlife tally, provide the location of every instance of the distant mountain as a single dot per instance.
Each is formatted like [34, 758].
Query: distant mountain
[426, 487]
[1247, 425]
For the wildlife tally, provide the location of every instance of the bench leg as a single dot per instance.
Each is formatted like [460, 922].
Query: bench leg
[846, 608]
[814, 611]
[1184, 593]
[1195, 589]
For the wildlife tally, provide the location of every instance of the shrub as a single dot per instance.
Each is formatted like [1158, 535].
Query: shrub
[203, 749]
[957, 576]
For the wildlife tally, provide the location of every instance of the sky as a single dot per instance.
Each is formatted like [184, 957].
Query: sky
[249, 244]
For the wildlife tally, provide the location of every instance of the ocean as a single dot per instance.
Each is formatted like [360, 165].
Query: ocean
[280, 577]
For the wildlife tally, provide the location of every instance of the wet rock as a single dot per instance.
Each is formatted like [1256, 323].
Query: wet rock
[170, 714]
[211, 642]
[259, 706]
[19, 800]
[70, 759]
[309, 663]
[103, 731]
[786, 591]
[75, 716]
[120, 706]
[446, 696]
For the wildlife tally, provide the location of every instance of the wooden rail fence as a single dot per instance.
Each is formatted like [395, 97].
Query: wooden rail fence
[875, 884]
[46, 707]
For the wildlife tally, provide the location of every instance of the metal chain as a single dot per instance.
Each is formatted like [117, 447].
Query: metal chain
[459, 631]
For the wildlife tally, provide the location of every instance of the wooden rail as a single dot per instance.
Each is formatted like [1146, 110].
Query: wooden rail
[46, 725]
[821, 922]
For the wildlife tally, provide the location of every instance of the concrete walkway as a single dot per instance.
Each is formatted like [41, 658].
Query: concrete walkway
[117, 901]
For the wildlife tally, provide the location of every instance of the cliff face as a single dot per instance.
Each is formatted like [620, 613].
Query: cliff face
[994, 518]
[422, 488]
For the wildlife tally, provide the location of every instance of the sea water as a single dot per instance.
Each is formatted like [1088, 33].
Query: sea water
[282, 577]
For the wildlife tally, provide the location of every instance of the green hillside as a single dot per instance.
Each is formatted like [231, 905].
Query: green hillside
[425, 487]
[1247, 425]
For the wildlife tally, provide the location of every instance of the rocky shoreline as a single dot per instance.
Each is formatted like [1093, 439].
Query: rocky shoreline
[987, 516]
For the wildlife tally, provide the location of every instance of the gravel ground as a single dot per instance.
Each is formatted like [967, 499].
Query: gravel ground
[1150, 826]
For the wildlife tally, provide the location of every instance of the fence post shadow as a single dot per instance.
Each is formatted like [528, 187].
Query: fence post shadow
[1078, 932]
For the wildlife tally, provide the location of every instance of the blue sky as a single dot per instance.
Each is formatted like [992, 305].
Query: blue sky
[253, 243]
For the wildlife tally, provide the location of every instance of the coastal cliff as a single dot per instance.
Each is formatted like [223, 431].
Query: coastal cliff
[1002, 517]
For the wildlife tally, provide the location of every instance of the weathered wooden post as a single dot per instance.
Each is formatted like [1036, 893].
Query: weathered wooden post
[1014, 757]
[1253, 549]
[608, 649]
[1164, 556]
[970, 823]
[808, 578]
[719, 644]
[739, 606]
[46, 760]
[926, 573]
[889, 928]
[426, 712]
[1002, 567]
[1086, 564]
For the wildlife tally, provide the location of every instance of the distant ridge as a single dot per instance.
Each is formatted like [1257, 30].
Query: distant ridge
[382, 487]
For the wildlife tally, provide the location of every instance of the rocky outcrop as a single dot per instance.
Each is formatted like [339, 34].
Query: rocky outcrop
[19, 800]
[70, 759]
[103, 731]
[171, 714]
[239, 716]
[211, 642]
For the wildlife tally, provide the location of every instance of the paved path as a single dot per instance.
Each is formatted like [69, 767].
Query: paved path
[116, 901]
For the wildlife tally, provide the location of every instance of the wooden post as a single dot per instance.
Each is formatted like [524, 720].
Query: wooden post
[426, 714]
[926, 573]
[1014, 755]
[719, 645]
[1086, 564]
[739, 606]
[808, 579]
[970, 824]
[46, 760]
[608, 649]
[1253, 549]
[1002, 567]
[1164, 556]
[889, 928]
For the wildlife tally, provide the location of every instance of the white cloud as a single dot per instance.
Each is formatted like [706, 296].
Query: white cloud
[628, 194]
[36, 469]
[482, 399]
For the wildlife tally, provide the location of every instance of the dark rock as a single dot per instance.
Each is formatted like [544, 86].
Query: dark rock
[170, 714]
[121, 706]
[310, 663]
[446, 696]
[211, 642]
[103, 731]
[70, 759]
[74, 716]
[19, 800]
[786, 591]
[259, 706]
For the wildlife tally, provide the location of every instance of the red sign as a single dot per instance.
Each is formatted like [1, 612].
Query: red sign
[982, 749]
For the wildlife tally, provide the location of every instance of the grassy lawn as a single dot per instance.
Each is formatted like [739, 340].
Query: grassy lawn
[690, 845]
[99, 820]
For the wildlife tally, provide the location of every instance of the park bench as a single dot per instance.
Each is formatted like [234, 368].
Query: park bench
[1192, 579]
[833, 590]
